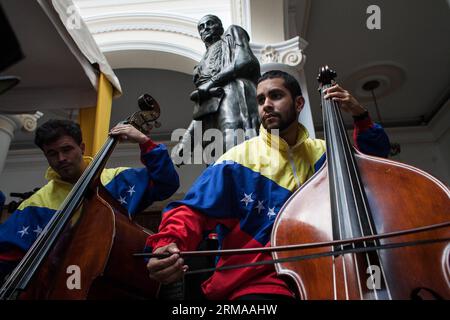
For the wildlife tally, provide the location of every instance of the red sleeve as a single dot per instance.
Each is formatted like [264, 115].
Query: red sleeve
[147, 146]
[13, 254]
[183, 226]
[361, 126]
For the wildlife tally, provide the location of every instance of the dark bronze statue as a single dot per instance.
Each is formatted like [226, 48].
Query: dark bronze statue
[225, 79]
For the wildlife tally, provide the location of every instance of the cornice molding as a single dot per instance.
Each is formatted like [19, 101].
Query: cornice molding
[125, 45]
[104, 3]
[142, 21]
[289, 52]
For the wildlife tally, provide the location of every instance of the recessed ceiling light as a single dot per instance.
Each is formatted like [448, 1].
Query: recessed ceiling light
[383, 78]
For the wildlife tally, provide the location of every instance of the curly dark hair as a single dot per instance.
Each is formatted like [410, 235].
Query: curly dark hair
[53, 129]
[289, 81]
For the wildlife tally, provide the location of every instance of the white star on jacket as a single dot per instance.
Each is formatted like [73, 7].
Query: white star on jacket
[24, 231]
[260, 206]
[122, 200]
[271, 212]
[247, 198]
[38, 230]
[131, 191]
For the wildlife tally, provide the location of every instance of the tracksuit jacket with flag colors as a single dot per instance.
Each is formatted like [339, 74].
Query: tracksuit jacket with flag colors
[134, 188]
[239, 197]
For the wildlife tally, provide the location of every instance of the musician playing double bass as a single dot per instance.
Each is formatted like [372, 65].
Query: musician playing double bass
[62, 145]
[240, 195]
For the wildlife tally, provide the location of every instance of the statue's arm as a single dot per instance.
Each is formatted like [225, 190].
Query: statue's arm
[244, 64]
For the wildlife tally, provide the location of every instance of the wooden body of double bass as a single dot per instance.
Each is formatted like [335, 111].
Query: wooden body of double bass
[401, 197]
[98, 244]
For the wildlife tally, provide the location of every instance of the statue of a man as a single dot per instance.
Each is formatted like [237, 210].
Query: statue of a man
[225, 79]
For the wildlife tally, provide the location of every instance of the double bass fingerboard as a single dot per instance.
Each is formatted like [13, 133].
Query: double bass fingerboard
[351, 215]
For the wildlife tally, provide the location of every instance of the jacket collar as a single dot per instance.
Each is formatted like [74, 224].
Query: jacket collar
[53, 175]
[275, 141]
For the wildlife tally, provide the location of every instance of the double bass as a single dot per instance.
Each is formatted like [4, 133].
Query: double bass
[362, 227]
[384, 225]
[92, 237]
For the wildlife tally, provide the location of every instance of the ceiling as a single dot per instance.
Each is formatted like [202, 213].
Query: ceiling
[411, 39]
[413, 36]
[171, 89]
[50, 62]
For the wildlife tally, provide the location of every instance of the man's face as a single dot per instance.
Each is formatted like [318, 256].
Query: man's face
[276, 107]
[65, 156]
[209, 30]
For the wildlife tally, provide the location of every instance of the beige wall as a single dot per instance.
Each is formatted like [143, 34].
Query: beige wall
[267, 21]
[25, 169]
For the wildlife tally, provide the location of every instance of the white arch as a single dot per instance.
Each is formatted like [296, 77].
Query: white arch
[156, 40]
[155, 55]
[171, 42]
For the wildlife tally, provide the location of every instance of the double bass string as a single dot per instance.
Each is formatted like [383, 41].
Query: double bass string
[333, 109]
[322, 255]
[345, 141]
[350, 158]
[330, 168]
[338, 139]
[350, 167]
[343, 156]
[304, 246]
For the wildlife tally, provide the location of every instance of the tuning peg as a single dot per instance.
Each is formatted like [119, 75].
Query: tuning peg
[146, 102]
[326, 75]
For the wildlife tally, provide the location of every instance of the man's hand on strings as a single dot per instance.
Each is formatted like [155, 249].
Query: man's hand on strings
[126, 132]
[346, 101]
[167, 270]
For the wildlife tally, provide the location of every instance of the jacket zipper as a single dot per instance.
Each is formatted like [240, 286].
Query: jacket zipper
[294, 170]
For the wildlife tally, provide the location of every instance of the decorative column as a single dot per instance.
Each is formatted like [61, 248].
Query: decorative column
[288, 56]
[9, 123]
[94, 121]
